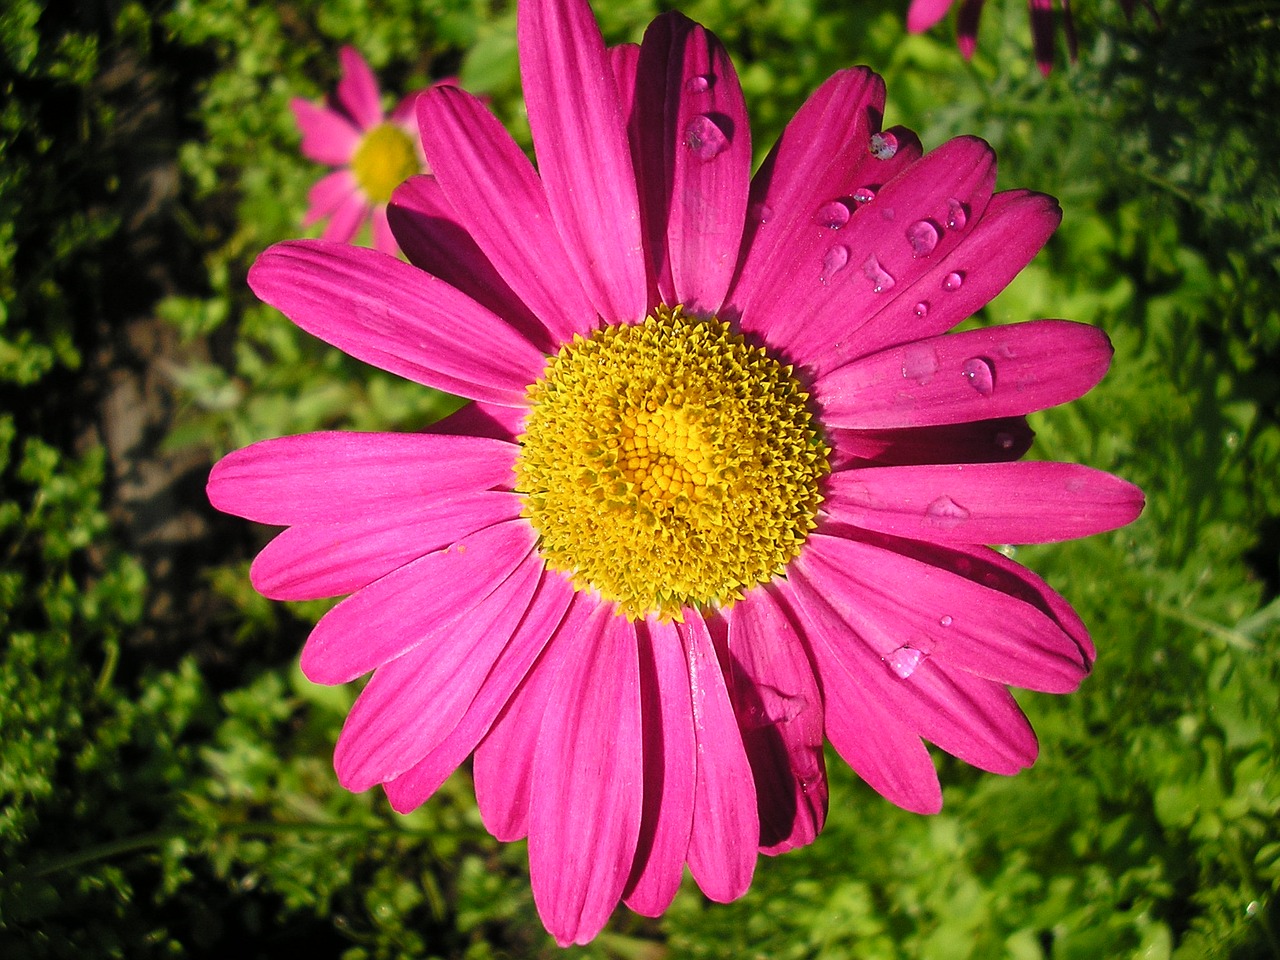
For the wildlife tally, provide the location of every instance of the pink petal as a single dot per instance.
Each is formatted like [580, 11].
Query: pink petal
[886, 753]
[710, 182]
[327, 136]
[997, 572]
[624, 59]
[394, 316]
[967, 27]
[358, 89]
[1041, 12]
[821, 156]
[329, 560]
[726, 825]
[434, 240]
[584, 811]
[477, 419]
[415, 604]
[383, 238]
[643, 109]
[415, 786]
[497, 198]
[1028, 502]
[346, 221]
[503, 767]
[345, 476]
[695, 199]
[983, 441]
[905, 609]
[652, 145]
[666, 714]
[412, 703]
[1000, 371]
[1012, 229]
[504, 759]
[990, 731]
[328, 194]
[580, 139]
[780, 712]
[812, 258]
[969, 717]
[813, 309]
[923, 14]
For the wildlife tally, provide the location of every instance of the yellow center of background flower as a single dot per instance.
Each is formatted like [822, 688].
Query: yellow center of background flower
[384, 159]
[669, 463]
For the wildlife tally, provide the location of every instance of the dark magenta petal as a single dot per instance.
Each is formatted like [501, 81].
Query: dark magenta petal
[589, 749]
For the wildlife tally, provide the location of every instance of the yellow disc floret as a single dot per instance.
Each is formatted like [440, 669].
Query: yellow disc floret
[383, 160]
[669, 463]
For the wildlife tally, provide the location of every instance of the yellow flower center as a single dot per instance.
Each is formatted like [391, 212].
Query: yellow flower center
[385, 158]
[669, 463]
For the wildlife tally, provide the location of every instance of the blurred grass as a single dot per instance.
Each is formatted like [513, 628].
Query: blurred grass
[165, 784]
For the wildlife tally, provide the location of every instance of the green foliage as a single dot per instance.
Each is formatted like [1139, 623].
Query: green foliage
[271, 818]
[40, 231]
[68, 596]
[156, 803]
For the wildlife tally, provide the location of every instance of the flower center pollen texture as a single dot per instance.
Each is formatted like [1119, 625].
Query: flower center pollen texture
[384, 159]
[669, 463]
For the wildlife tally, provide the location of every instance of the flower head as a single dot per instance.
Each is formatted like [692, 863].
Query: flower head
[374, 151]
[725, 486]
[923, 14]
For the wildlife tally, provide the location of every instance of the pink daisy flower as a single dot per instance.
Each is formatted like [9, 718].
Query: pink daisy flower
[725, 486]
[373, 151]
[923, 14]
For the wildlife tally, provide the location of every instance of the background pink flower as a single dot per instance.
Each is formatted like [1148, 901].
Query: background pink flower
[923, 14]
[374, 151]
[627, 738]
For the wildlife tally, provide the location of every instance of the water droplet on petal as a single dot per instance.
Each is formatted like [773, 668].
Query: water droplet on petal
[887, 213]
[883, 145]
[980, 375]
[919, 363]
[864, 195]
[704, 139]
[698, 84]
[774, 707]
[904, 661]
[833, 215]
[879, 277]
[833, 261]
[945, 620]
[956, 217]
[762, 213]
[923, 237]
[1004, 440]
[946, 513]
[922, 309]
[781, 707]
[953, 281]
